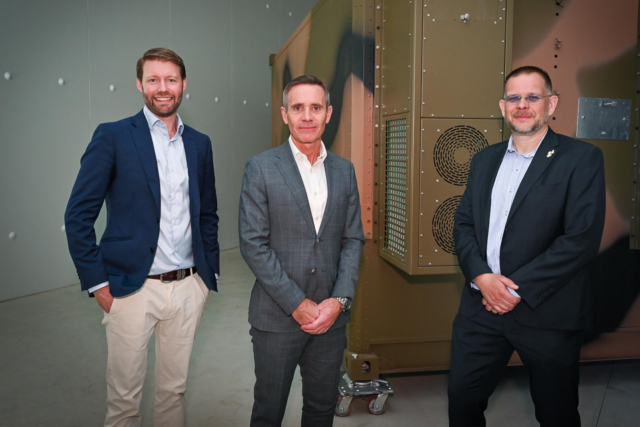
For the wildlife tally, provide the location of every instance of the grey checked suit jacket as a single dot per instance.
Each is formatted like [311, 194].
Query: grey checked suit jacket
[278, 238]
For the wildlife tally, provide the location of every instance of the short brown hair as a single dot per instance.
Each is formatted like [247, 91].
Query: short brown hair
[308, 79]
[160, 54]
[530, 69]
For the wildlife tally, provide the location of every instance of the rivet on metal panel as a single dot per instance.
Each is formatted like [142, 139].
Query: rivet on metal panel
[424, 71]
[424, 38]
[461, 115]
[378, 7]
[428, 14]
[420, 213]
[244, 102]
[409, 65]
[405, 109]
[436, 250]
[290, 14]
[438, 130]
[409, 33]
[394, 111]
[485, 131]
[423, 131]
[433, 20]
[429, 263]
[61, 81]
[266, 104]
[437, 201]
[7, 75]
[376, 106]
[492, 116]
[421, 255]
[502, 40]
[267, 6]
[377, 67]
[437, 180]
[433, 115]
[501, 72]
[421, 171]
[376, 125]
[495, 22]
[378, 47]
[377, 86]
[216, 99]
[186, 95]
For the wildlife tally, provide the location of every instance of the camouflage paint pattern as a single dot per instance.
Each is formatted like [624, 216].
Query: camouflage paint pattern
[402, 322]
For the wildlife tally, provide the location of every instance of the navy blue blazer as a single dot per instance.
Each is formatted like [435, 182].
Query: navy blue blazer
[120, 167]
[553, 231]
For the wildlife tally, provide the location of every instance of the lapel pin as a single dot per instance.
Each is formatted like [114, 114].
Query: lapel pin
[550, 153]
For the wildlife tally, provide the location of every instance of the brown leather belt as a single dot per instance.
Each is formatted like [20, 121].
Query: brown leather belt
[174, 275]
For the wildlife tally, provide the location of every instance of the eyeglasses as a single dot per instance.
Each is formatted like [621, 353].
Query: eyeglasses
[531, 99]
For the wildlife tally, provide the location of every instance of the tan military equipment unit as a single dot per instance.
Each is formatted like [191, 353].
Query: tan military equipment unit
[415, 87]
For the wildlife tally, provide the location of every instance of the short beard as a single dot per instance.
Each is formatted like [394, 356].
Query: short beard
[148, 101]
[535, 128]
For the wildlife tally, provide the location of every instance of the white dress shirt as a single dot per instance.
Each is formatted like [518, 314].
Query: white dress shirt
[315, 181]
[512, 170]
[175, 250]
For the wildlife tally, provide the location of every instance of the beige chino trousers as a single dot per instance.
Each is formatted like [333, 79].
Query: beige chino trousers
[173, 311]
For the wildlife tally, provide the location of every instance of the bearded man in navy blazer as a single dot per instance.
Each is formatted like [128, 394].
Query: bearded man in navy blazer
[528, 224]
[159, 255]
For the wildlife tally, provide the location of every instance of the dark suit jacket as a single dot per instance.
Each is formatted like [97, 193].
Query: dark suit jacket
[278, 238]
[553, 230]
[120, 167]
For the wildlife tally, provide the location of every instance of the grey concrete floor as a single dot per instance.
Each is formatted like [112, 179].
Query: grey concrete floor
[53, 361]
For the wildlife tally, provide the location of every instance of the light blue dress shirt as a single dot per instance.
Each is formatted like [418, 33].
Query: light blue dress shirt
[175, 250]
[510, 174]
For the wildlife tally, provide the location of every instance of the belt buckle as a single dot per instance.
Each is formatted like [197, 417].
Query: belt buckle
[181, 274]
[162, 279]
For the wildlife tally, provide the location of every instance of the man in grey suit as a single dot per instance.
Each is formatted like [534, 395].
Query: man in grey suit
[301, 235]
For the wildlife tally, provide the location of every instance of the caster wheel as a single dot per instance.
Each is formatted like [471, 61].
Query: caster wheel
[340, 413]
[372, 408]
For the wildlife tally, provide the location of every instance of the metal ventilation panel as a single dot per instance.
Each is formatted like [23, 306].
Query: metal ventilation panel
[395, 188]
[447, 148]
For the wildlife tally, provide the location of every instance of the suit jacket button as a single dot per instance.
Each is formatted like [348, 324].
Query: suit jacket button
[313, 271]
[318, 240]
[151, 250]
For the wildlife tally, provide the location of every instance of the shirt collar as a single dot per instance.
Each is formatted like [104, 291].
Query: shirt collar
[152, 119]
[296, 152]
[512, 149]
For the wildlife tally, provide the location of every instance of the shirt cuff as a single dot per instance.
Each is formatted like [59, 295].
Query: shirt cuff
[217, 276]
[511, 291]
[96, 287]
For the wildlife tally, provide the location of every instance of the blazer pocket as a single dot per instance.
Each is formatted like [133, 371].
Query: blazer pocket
[547, 188]
[115, 239]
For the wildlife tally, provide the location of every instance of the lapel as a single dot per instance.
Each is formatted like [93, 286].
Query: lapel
[144, 145]
[492, 170]
[289, 170]
[191, 154]
[538, 166]
[332, 191]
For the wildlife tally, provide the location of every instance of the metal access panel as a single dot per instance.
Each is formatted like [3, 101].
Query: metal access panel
[395, 189]
[447, 147]
[463, 57]
[604, 118]
[396, 56]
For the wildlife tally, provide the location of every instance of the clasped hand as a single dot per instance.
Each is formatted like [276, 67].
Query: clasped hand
[495, 292]
[315, 318]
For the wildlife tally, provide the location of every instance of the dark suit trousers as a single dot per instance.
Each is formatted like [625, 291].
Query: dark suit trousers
[480, 349]
[276, 356]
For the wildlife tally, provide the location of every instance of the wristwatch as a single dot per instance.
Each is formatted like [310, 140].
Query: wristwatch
[345, 303]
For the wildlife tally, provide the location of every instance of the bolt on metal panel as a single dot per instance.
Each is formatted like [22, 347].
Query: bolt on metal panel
[463, 58]
[603, 118]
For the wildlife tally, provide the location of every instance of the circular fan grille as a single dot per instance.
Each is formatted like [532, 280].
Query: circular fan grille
[442, 224]
[453, 151]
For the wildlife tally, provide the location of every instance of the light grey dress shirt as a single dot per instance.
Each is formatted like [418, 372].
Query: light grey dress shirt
[512, 170]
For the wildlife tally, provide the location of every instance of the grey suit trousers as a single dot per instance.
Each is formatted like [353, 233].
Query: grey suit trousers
[319, 356]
